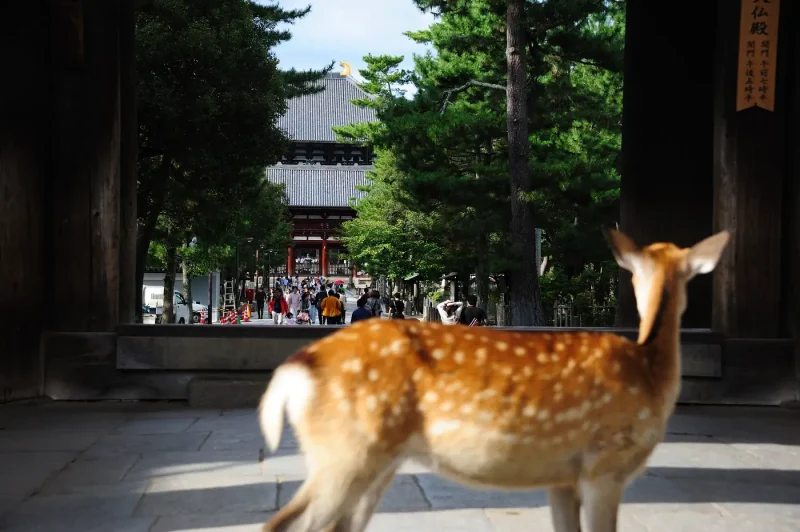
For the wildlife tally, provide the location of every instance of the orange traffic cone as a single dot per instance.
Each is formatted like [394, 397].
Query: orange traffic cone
[202, 317]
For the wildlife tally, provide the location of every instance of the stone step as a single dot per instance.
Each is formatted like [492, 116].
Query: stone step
[221, 392]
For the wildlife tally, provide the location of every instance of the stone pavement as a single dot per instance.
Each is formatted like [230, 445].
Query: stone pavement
[137, 467]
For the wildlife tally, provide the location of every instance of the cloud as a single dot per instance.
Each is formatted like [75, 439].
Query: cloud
[347, 30]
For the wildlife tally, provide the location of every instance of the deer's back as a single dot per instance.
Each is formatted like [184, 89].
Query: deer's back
[479, 399]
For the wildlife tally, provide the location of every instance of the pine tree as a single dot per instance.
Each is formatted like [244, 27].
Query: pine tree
[450, 142]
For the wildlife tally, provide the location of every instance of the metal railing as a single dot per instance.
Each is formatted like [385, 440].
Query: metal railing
[278, 270]
[303, 269]
[566, 315]
[340, 269]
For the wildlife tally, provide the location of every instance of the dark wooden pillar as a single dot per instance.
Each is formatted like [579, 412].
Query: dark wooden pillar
[290, 261]
[791, 211]
[667, 167]
[749, 174]
[129, 141]
[24, 153]
[86, 166]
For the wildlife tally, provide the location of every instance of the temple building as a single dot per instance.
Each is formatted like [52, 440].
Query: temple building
[321, 176]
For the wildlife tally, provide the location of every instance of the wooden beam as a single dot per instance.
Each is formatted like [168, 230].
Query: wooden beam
[749, 173]
[667, 141]
[129, 140]
[24, 162]
[86, 178]
[791, 303]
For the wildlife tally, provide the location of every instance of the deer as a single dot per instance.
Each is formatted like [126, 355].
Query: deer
[577, 412]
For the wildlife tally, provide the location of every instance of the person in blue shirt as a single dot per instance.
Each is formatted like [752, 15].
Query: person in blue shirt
[360, 313]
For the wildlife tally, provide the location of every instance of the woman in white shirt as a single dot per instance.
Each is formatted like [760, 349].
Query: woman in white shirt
[294, 299]
[448, 311]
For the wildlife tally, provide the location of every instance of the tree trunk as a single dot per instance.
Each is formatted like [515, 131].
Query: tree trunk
[187, 288]
[146, 228]
[463, 285]
[526, 304]
[482, 285]
[168, 312]
[142, 246]
[210, 297]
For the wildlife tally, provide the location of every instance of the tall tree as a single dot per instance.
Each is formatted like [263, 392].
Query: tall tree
[449, 143]
[526, 303]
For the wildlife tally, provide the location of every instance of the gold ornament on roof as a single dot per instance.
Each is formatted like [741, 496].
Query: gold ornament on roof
[346, 68]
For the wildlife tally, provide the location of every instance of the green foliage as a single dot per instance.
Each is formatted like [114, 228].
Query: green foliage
[209, 96]
[387, 237]
[436, 296]
[447, 145]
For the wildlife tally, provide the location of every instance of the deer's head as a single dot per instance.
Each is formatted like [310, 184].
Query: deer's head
[661, 271]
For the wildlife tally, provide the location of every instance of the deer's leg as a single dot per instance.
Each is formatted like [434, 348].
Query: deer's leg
[601, 497]
[565, 509]
[332, 491]
[358, 518]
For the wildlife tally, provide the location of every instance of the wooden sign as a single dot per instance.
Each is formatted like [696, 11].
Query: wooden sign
[758, 51]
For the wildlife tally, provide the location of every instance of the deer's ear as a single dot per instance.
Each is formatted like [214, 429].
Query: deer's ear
[704, 256]
[627, 254]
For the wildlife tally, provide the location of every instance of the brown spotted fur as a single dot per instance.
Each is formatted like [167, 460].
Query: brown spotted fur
[576, 412]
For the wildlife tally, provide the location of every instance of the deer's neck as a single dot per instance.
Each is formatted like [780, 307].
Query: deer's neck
[662, 347]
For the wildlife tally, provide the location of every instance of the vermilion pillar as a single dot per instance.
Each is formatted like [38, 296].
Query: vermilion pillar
[323, 267]
[290, 262]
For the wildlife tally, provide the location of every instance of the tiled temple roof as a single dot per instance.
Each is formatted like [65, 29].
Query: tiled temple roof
[311, 117]
[320, 186]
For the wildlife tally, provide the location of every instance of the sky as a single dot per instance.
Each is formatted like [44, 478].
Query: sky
[347, 30]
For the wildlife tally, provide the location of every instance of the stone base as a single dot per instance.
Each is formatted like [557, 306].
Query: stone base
[226, 367]
[220, 392]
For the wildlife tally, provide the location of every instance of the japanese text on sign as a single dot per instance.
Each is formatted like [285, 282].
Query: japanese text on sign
[758, 47]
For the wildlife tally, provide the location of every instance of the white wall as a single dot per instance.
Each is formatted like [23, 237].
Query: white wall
[199, 286]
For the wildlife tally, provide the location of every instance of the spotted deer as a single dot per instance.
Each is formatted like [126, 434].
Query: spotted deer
[578, 413]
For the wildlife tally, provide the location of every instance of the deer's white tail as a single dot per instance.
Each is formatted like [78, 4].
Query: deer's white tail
[291, 387]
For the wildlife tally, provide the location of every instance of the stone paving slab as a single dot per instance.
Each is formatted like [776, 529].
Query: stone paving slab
[162, 467]
[207, 494]
[90, 471]
[404, 495]
[122, 444]
[173, 464]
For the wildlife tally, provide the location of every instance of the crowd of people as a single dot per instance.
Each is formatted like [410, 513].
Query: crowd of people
[315, 300]
[307, 301]
[319, 301]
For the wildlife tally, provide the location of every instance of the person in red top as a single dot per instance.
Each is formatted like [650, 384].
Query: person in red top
[278, 307]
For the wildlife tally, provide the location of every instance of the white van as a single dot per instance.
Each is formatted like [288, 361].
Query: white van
[153, 297]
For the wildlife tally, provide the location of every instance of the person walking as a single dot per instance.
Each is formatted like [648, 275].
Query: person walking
[397, 298]
[448, 311]
[321, 295]
[313, 310]
[374, 303]
[471, 314]
[398, 309]
[278, 307]
[361, 313]
[261, 298]
[295, 300]
[343, 313]
[330, 308]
